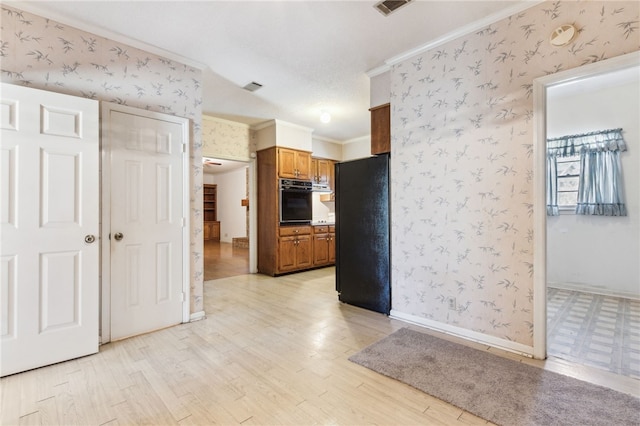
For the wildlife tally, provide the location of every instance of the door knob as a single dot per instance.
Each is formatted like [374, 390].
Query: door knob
[89, 239]
[118, 236]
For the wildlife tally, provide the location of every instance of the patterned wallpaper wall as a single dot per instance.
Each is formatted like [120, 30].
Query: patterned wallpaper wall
[462, 165]
[226, 139]
[43, 54]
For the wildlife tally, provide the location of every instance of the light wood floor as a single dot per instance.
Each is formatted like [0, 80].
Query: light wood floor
[270, 351]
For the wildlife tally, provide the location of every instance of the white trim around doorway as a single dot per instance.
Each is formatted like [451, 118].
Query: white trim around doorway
[540, 87]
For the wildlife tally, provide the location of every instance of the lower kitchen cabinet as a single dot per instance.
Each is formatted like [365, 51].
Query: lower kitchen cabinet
[320, 249]
[294, 248]
[302, 247]
[295, 253]
[332, 245]
[324, 245]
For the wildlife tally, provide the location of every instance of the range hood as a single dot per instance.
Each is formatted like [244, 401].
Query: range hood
[321, 187]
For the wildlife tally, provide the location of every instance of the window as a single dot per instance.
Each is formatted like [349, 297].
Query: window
[568, 180]
[584, 174]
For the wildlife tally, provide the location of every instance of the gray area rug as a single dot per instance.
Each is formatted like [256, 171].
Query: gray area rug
[500, 390]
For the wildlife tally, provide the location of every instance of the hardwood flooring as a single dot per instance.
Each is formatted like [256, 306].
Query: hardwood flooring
[270, 351]
[222, 260]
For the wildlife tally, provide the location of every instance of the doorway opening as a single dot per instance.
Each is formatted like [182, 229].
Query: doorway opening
[227, 250]
[584, 315]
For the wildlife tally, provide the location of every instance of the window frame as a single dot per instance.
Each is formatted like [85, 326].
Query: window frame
[567, 208]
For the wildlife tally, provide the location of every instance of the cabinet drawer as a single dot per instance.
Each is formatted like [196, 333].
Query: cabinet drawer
[332, 228]
[322, 229]
[294, 230]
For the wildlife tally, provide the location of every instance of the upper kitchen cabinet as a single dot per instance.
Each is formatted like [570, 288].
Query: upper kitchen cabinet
[291, 145]
[380, 129]
[322, 171]
[294, 164]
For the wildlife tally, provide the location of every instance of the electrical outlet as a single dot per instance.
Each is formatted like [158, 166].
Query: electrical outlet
[452, 303]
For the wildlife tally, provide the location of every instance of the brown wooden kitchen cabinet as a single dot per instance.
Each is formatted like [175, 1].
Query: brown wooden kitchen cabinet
[332, 244]
[285, 248]
[380, 129]
[322, 171]
[294, 248]
[294, 164]
[324, 245]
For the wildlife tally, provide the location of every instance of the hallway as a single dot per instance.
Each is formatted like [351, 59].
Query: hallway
[222, 260]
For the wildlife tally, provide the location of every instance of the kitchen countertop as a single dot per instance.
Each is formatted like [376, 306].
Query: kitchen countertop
[321, 222]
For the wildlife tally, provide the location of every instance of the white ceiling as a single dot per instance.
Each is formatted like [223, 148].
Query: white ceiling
[218, 166]
[308, 55]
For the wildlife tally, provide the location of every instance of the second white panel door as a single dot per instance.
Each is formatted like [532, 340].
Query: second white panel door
[147, 220]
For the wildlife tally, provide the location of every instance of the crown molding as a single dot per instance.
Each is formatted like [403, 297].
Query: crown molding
[460, 32]
[325, 139]
[366, 138]
[278, 123]
[34, 8]
[378, 70]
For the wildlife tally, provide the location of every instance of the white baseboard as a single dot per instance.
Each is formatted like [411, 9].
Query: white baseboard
[197, 316]
[588, 288]
[463, 333]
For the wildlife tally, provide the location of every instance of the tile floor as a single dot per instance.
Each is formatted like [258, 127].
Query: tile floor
[594, 330]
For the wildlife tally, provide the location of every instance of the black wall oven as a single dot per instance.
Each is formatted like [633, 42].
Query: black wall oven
[295, 201]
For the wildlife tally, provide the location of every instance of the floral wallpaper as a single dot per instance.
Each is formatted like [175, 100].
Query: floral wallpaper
[462, 165]
[43, 54]
[226, 139]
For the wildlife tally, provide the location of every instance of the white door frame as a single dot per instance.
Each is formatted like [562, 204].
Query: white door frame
[252, 181]
[105, 228]
[540, 87]
[253, 215]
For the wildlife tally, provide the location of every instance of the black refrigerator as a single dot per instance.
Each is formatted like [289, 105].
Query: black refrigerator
[363, 249]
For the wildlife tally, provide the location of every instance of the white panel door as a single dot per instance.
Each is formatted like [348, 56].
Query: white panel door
[49, 194]
[146, 221]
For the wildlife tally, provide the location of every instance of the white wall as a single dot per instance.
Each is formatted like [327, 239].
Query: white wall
[281, 133]
[356, 148]
[325, 148]
[323, 209]
[232, 216]
[598, 253]
[380, 92]
[208, 178]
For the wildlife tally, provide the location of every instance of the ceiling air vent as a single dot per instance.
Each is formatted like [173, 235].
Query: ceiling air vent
[253, 86]
[386, 7]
